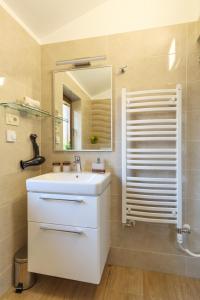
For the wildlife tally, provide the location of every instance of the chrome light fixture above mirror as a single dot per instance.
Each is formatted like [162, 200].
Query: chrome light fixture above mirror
[80, 62]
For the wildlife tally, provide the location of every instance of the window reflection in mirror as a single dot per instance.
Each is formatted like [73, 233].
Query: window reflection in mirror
[83, 100]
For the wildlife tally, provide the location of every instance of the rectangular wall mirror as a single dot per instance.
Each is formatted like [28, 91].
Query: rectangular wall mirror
[83, 99]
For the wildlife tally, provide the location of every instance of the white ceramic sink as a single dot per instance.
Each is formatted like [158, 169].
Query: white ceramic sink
[84, 183]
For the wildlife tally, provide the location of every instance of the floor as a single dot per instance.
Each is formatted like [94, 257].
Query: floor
[118, 283]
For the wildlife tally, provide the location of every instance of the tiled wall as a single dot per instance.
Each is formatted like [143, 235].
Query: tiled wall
[148, 55]
[192, 193]
[20, 64]
[156, 58]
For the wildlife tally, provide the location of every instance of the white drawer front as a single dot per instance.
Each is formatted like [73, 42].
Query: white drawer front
[63, 209]
[64, 251]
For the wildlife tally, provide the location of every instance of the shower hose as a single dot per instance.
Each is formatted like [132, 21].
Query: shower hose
[186, 250]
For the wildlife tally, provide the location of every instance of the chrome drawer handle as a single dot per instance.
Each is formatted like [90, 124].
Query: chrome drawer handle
[62, 199]
[44, 227]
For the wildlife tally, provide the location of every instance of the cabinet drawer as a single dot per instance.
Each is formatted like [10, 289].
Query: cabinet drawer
[63, 209]
[64, 251]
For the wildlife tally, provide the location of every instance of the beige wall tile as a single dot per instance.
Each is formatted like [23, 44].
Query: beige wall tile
[152, 63]
[192, 185]
[148, 260]
[116, 207]
[12, 217]
[10, 245]
[193, 154]
[193, 126]
[73, 49]
[20, 64]
[193, 239]
[192, 212]
[192, 267]
[116, 189]
[194, 95]
[6, 279]
[193, 31]
[193, 67]
[165, 40]
[159, 238]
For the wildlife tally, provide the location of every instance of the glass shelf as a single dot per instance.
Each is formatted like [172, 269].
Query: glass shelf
[37, 112]
[26, 109]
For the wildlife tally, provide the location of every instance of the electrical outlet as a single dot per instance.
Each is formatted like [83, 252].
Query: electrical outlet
[12, 119]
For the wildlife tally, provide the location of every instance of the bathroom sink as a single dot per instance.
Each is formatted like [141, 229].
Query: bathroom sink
[84, 183]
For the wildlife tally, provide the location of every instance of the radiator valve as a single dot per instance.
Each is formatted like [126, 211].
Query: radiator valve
[184, 229]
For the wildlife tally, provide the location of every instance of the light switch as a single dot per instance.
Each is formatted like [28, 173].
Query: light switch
[12, 119]
[11, 136]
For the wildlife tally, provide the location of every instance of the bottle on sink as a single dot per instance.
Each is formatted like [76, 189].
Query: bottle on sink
[56, 167]
[98, 166]
[66, 166]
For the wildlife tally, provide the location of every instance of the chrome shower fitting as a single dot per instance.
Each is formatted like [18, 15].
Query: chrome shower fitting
[185, 229]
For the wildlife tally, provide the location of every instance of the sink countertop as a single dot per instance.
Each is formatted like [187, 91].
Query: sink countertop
[84, 183]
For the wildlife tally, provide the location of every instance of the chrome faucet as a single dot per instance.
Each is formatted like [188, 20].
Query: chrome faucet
[77, 162]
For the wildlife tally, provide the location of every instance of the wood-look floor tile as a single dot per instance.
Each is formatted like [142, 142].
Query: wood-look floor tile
[118, 283]
[126, 280]
[190, 288]
[101, 288]
[159, 286]
[116, 295]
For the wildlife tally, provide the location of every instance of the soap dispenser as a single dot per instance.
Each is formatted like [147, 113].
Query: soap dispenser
[98, 166]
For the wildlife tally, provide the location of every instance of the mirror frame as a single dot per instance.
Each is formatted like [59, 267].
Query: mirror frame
[53, 103]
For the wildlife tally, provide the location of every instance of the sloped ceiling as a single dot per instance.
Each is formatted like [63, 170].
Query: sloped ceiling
[51, 21]
[43, 17]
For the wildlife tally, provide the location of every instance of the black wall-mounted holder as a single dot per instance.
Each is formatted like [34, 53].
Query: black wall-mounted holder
[37, 159]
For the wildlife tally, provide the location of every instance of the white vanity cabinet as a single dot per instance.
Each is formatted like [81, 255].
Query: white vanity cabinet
[68, 235]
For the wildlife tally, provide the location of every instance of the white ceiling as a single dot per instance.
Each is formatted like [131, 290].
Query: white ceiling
[43, 17]
[51, 21]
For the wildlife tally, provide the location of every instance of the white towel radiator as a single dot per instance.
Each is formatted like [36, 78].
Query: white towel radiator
[151, 156]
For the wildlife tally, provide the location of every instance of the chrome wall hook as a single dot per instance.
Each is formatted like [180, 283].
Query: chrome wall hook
[123, 69]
